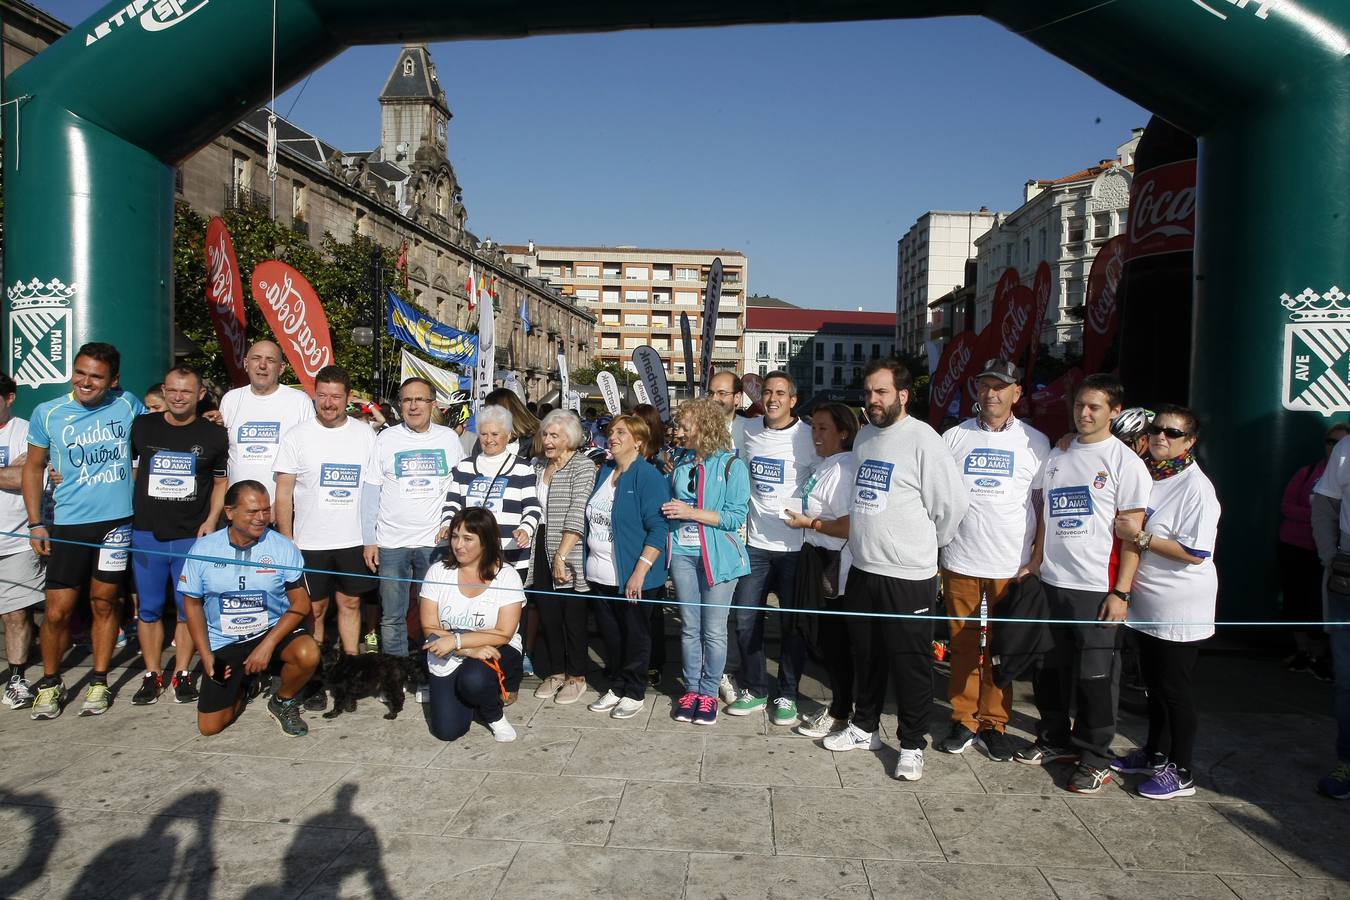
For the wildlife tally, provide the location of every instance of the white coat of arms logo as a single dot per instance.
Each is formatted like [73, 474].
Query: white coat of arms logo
[39, 332]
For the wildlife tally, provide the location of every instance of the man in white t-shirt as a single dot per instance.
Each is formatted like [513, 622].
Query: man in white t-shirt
[21, 570]
[321, 468]
[258, 414]
[1087, 573]
[402, 512]
[999, 457]
[781, 454]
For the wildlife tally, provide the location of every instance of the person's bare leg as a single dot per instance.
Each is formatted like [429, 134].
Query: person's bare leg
[150, 635]
[298, 662]
[55, 634]
[105, 603]
[349, 622]
[18, 636]
[318, 611]
[216, 722]
[182, 650]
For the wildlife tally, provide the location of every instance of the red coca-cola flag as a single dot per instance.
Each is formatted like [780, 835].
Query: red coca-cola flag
[990, 342]
[225, 299]
[294, 312]
[1053, 404]
[1099, 320]
[1041, 289]
[753, 387]
[1162, 210]
[945, 383]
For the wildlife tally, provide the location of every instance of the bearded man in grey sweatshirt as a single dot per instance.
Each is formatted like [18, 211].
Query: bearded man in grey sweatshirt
[908, 500]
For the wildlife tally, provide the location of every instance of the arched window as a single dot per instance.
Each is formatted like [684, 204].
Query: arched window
[407, 66]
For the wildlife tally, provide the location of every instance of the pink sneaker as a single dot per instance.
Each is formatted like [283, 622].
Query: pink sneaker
[684, 707]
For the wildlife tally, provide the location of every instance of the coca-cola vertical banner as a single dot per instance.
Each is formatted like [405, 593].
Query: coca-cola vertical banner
[295, 315]
[225, 299]
[752, 386]
[1041, 290]
[1162, 211]
[989, 344]
[945, 383]
[1099, 319]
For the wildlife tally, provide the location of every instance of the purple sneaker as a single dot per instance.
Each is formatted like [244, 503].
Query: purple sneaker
[1167, 784]
[705, 711]
[684, 707]
[1139, 762]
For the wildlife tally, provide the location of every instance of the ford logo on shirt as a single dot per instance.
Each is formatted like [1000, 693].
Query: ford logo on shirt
[256, 448]
[867, 495]
[339, 493]
[245, 620]
[171, 482]
[1071, 523]
[419, 482]
[986, 482]
[763, 488]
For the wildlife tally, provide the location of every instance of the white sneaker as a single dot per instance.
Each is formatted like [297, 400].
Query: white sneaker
[727, 690]
[626, 708]
[502, 732]
[821, 724]
[910, 765]
[853, 738]
[607, 701]
[18, 693]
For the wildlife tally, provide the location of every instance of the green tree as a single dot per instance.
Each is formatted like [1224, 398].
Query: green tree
[340, 272]
[586, 374]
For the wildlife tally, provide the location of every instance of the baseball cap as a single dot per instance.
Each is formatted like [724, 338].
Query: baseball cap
[1002, 369]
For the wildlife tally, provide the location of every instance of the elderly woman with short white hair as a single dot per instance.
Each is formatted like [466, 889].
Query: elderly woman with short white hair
[565, 479]
[502, 483]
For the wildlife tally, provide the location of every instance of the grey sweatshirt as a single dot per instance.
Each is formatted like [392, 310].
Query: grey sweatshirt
[908, 500]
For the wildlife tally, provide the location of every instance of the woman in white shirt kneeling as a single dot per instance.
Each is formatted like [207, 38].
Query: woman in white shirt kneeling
[471, 603]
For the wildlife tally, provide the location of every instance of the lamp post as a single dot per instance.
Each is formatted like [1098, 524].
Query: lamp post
[370, 335]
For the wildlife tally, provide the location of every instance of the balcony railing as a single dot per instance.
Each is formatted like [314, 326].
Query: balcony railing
[300, 226]
[240, 197]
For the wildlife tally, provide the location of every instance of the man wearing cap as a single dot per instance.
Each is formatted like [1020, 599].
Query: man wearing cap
[998, 457]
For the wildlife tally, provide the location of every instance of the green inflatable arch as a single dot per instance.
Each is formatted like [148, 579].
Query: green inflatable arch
[1263, 84]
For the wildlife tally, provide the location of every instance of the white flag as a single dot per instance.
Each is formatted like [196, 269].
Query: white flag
[487, 342]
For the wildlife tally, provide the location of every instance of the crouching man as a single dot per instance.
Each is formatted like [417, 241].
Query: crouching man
[244, 589]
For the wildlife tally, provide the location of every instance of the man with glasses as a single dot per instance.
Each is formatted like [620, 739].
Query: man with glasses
[402, 512]
[998, 457]
[725, 387]
[258, 414]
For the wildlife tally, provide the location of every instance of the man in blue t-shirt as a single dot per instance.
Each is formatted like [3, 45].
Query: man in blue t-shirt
[86, 438]
[244, 589]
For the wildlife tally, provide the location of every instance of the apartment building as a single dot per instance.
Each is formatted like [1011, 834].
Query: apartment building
[822, 349]
[930, 261]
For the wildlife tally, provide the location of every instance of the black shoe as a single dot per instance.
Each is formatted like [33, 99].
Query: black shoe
[287, 714]
[1041, 753]
[957, 740]
[184, 691]
[654, 677]
[1321, 669]
[1089, 779]
[995, 744]
[151, 684]
[316, 701]
[1300, 661]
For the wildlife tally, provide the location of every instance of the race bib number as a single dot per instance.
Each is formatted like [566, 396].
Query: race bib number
[420, 472]
[339, 483]
[116, 549]
[767, 474]
[257, 441]
[4, 456]
[994, 463]
[173, 476]
[243, 614]
[687, 536]
[487, 493]
[871, 488]
[1071, 510]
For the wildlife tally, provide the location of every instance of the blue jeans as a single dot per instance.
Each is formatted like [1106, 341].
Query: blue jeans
[1338, 610]
[408, 564]
[776, 571]
[703, 629]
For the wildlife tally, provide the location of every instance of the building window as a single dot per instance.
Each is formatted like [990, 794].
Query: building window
[1077, 230]
[1042, 243]
[1007, 255]
[820, 375]
[1102, 226]
[782, 349]
[857, 351]
[876, 351]
[763, 370]
[686, 274]
[553, 269]
[1026, 250]
[763, 349]
[820, 354]
[178, 179]
[587, 270]
[298, 200]
[407, 66]
[838, 375]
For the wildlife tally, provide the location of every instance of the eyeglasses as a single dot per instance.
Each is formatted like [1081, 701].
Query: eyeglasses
[414, 400]
[722, 393]
[693, 480]
[1175, 434]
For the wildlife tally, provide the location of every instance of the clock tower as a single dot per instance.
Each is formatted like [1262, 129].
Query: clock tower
[413, 111]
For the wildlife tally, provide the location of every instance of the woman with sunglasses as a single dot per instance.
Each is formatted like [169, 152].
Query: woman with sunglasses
[1171, 606]
[711, 496]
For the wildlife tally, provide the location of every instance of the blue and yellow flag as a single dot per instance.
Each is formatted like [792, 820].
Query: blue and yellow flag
[410, 325]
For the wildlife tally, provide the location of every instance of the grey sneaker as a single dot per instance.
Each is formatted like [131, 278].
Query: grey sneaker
[605, 702]
[821, 724]
[626, 708]
[852, 738]
[548, 687]
[19, 693]
[287, 714]
[49, 702]
[727, 690]
[97, 699]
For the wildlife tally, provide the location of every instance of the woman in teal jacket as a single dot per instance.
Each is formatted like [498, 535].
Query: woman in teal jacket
[712, 491]
[627, 549]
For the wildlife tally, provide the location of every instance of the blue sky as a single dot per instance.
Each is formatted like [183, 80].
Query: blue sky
[812, 148]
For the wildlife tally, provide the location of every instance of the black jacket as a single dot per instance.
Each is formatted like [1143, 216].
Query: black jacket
[1016, 647]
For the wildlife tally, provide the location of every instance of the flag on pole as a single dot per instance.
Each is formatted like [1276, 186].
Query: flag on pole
[402, 264]
[525, 316]
[471, 289]
[487, 347]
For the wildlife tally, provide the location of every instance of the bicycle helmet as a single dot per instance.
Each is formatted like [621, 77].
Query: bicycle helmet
[457, 410]
[1130, 424]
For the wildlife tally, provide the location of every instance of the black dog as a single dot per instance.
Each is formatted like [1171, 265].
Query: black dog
[350, 678]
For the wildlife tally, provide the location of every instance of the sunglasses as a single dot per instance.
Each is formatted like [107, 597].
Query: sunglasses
[1175, 434]
[693, 480]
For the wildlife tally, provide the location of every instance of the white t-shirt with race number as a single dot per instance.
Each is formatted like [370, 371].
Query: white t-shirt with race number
[1082, 489]
[329, 465]
[457, 612]
[1185, 509]
[780, 461]
[256, 426]
[998, 469]
[415, 473]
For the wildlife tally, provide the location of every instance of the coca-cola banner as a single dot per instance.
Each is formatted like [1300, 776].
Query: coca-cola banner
[294, 312]
[752, 386]
[225, 299]
[944, 385]
[1041, 289]
[1099, 321]
[1162, 210]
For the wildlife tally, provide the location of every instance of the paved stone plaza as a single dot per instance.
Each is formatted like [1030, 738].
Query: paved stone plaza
[135, 804]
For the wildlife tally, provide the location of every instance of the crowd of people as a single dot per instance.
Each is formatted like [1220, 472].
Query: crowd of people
[487, 552]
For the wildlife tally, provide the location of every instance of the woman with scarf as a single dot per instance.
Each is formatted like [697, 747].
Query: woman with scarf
[1172, 603]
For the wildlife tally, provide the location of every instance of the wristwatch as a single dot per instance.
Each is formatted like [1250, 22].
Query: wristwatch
[1124, 595]
[1142, 540]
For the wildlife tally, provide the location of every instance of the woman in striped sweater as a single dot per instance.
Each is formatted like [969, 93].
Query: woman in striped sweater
[566, 478]
[501, 482]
